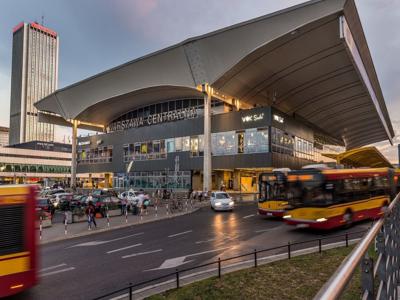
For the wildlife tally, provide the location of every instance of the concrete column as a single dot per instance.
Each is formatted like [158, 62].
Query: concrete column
[207, 139]
[73, 160]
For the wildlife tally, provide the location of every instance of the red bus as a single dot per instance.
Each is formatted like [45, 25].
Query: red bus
[18, 260]
[325, 199]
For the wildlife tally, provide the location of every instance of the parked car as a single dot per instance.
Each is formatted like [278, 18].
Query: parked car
[221, 201]
[103, 202]
[45, 205]
[58, 197]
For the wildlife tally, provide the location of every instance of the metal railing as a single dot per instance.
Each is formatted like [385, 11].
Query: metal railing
[288, 249]
[383, 272]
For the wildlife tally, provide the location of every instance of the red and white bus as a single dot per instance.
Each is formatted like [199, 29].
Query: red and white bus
[18, 251]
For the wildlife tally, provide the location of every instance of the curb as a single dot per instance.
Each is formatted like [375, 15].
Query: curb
[87, 233]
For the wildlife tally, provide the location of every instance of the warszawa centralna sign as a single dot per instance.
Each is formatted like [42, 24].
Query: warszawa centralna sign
[174, 115]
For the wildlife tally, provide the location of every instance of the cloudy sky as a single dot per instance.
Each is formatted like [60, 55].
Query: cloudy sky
[99, 34]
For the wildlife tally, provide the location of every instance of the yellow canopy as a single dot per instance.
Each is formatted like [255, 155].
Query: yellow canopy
[361, 157]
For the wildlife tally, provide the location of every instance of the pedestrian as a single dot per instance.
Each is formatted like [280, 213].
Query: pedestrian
[91, 214]
[123, 205]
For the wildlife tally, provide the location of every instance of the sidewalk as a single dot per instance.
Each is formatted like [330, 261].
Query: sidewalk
[58, 231]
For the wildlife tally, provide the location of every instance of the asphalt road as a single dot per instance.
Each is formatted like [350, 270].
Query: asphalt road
[86, 267]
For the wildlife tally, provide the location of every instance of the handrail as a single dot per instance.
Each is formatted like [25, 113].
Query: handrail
[335, 286]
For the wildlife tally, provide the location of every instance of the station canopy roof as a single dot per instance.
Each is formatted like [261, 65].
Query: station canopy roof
[310, 61]
[361, 157]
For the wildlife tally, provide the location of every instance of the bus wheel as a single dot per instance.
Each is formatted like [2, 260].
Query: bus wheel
[348, 218]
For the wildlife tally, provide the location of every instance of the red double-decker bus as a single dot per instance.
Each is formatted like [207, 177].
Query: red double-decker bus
[18, 261]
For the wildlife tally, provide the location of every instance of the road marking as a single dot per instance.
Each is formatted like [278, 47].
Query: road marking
[180, 233]
[95, 243]
[206, 241]
[124, 248]
[249, 216]
[52, 267]
[56, 272]
[177, 261]
[142, 253]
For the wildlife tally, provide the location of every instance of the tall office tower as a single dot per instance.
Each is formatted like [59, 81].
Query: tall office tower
[34, 75]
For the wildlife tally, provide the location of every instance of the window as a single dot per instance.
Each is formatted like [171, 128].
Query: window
[186, 143]
[178, 144]
[170, 145]
[224, 143]
[194, 146]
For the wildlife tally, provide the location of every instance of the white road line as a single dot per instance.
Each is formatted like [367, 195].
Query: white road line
[142, 253]
[206, 241]
[124, 248]
[125, 237]
[180, 233]
[249, 216]
[52, 267]
[56, 272]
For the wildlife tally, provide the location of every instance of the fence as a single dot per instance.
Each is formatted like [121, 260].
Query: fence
[255, 257]
[383, 272]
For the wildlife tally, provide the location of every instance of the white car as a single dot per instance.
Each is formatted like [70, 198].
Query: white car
[57, 197]
[131, 196]
[221, 201]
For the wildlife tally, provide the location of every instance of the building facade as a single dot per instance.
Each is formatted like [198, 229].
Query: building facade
[162, 146]
[33, 76]
[4, 136]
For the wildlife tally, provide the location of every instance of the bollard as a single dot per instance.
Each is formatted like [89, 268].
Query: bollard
[89, 222]
[156, 211]
[347, 240]
[319, 245]
[288, 250]
[108, 219]
[130, 291]
[141, 214]
[65, 223]
[167, 210]
[186, 205]
[40, 228]
[126, 216]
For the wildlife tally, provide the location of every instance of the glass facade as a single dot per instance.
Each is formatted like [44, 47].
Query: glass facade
[95, 155]
[154, 180]
[33, 168]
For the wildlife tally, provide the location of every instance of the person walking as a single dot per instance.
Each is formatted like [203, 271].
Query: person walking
[91, 214]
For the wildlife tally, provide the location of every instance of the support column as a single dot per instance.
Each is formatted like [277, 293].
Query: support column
[73, 160]
[207, 169]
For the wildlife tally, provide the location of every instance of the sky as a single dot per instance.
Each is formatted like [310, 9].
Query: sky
[96, 35]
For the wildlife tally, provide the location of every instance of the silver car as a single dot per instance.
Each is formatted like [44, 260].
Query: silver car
[221, 201]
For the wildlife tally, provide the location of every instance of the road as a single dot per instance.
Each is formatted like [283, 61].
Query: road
[86, 267]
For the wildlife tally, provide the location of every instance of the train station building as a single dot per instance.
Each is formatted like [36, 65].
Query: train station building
[218, 109]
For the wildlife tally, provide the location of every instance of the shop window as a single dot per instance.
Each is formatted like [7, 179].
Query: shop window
[178, 144]
[170, 145]
[186, 143]
[194, 146]
[224, 143]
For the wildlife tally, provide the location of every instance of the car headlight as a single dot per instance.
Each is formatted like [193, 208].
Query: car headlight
[231, 203]
[218, 203]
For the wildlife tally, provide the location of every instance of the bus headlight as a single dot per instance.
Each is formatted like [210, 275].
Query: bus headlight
[287, 216]
[321, 220]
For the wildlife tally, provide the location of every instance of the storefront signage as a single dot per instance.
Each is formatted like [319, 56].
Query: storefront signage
[279, 119]
[253, 118]
[175, 115]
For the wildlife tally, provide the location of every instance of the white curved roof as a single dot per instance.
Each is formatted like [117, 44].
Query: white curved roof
[294, 59]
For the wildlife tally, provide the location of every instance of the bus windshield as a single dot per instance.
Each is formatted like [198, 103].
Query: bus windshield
[272, 187]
